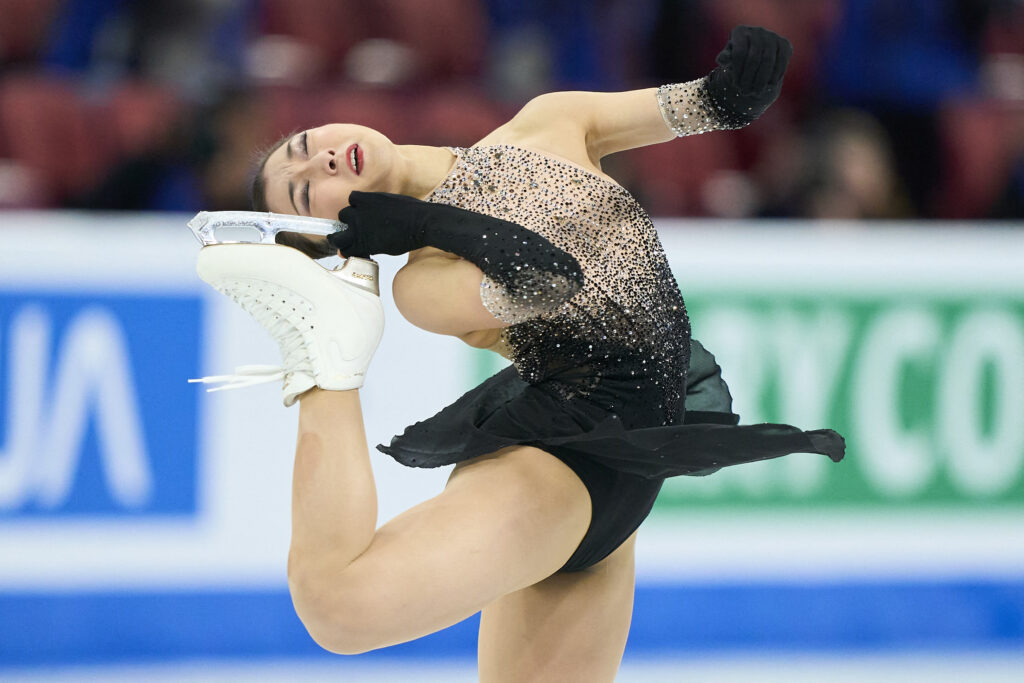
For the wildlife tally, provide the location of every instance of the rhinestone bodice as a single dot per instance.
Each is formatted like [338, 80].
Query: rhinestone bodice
[623, 340]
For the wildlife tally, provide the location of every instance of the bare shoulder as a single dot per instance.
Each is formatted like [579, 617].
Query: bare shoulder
[553, 123]
[551, 110]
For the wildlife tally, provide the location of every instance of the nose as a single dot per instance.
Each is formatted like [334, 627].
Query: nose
[326, 160]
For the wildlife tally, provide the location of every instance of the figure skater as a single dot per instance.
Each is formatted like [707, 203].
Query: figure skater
[519, 244]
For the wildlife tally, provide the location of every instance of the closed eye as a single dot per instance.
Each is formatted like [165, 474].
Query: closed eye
[304, 141]
[305, 197]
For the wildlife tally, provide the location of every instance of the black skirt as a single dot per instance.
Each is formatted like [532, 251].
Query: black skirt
[506, 411]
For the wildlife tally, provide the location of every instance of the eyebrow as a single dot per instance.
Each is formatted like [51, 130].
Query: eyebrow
[291, 184]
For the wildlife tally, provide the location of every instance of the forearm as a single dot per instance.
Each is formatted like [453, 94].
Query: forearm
[618, 121]
[626, 120]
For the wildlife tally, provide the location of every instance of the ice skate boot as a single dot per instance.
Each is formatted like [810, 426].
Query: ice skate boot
[327, 323]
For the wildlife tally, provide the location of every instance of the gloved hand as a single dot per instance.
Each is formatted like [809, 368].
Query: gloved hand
[384, 223]
[749, 74]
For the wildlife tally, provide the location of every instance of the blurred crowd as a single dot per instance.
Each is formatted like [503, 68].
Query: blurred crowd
[891, 109]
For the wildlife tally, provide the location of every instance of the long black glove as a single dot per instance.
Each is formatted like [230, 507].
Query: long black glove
[749, 74]
[528, 266]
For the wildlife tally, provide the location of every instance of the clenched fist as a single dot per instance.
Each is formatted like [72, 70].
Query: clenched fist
[749, 73]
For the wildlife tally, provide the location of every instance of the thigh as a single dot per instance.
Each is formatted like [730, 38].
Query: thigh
[504, 522]
[571, 626]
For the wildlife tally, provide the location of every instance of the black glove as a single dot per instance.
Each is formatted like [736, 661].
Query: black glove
[749, 74]
[511, 255]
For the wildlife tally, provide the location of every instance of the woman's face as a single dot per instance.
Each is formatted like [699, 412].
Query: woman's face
[314, 171]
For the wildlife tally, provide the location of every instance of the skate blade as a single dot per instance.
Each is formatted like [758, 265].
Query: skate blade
[255, 227]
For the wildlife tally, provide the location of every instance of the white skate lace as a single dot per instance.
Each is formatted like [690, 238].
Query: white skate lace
[282, 320]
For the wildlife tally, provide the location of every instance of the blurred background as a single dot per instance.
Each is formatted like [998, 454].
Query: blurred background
[890, 110]
[855, 259]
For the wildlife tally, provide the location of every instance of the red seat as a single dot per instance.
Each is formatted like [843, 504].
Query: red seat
[143, 115]
[291, 109]
[981, 139]
[455, 116]
[670, 177]
[23, 27]
[381, 109]
[294, 109]
[449, 36]
[54, 131]
[328, 27]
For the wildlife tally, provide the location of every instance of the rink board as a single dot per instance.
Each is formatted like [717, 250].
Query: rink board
[143, 519]
[850, 617]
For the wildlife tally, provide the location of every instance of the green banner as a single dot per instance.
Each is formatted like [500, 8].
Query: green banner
[928, 391]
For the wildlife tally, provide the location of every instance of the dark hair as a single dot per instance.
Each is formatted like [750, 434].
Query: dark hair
[258, 190]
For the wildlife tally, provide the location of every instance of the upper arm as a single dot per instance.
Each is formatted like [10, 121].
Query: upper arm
[442, 295]
[609, 122]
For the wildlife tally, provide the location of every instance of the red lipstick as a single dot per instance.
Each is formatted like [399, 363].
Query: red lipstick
[354, 158]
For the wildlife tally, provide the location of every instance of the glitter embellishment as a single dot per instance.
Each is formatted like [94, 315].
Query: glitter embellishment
[625, 328]
[689, 109]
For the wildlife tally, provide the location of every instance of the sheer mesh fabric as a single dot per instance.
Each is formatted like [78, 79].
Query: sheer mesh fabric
[626, 331]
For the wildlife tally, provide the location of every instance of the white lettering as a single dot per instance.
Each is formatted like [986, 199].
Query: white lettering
[93, 375]
[799, 355]
[26, 376]
[809, 353]
[898, 460]
[93, 379]
[983, 465]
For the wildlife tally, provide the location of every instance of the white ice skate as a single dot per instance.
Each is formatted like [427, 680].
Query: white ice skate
[327, 323]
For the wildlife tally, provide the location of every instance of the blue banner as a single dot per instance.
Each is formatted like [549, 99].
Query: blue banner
[97, 628]
[98, 417]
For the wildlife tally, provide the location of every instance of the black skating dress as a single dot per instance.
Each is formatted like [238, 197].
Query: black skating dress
[609, 381]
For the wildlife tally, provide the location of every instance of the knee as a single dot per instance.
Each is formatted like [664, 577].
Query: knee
[336, 613]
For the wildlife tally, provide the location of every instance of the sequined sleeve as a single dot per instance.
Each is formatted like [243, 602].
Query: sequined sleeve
[530, 294]
[691, 109]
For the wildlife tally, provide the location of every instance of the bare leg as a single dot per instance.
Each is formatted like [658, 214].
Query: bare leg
[334, 499]
[505, 521]
[569, 627]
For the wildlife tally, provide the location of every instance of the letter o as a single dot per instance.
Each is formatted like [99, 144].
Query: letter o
[983, 465]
